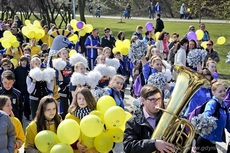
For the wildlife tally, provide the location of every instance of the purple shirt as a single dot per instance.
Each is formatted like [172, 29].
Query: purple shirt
[150, 119]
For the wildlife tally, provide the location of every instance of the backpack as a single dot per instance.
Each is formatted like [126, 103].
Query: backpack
[138, 84]
[227, 98]
[200, 109]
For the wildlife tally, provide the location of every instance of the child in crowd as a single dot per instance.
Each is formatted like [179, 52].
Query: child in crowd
[5, 105]
[37, 89]
[45, 48]
[104, 81]
[122, 70]
[223, 121]
[8, 79]
[79, 67]
[64, 80]
[35, 49]
[114, 88]
[211, 65]
[27, 51]
[83, 103]
[99, 51]
[21, 72]
[45, 60]
[47, 118]
[107, 52]
[7, 133]
[6, 65]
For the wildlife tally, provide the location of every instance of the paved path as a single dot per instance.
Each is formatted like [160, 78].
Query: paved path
[164, 19]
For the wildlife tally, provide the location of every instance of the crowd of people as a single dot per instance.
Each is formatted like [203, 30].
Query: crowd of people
[24, 93]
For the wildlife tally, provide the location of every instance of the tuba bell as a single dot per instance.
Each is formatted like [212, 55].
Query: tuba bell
[171, 128]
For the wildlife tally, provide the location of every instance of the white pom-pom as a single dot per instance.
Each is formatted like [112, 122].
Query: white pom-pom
[157, 79]
[102, 68]
[59, 64]
[167, 73]
[78, 58]
[77, 79]
[93, 78]
[99, 92]
[113, 62]
[48, 74]
[111, 71]
[36, 73]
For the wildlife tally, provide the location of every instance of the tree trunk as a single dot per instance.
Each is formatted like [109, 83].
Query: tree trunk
[81, 6]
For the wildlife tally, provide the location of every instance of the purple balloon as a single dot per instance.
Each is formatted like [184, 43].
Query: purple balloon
[215, 75]
[191, 36]
[79, 24]
[149, 26]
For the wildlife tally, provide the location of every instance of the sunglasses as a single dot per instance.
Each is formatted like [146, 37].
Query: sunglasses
[209, 44]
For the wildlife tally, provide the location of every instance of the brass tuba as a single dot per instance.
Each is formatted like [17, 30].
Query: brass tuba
[171, 128]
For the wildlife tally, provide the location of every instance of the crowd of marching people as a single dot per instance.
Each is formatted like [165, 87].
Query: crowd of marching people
[53, 78]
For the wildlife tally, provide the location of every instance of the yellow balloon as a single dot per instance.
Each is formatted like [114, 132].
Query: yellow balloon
[38, 35]
[117, 134]
[45, 140]
[98, 113]
[6, 43]
[27, 22]
[74, 37]
[68, 131]
[103, 142]
[7, 34]
[91, 125]
[12, 38]
[154, 37]
[88, 28]
[104, 103]
[73, 51]
[114, 117]
[204, 44]
[199, 34]
[119, 44]
[82, 33]
[157, 35]
[25, 30]
[87, 141]
[36, 23]
[221, 40]
[126, 43]
[31, 34]
[73, 23]
[114, 50]
[15, 44]
[61, 148]
[42, 32]
[124, 51]
[188, 9]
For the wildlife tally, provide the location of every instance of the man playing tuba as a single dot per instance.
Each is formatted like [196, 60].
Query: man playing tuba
[139, 129]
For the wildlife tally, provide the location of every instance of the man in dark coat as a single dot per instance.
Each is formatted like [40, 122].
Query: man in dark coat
[159, 24]
[139, 129]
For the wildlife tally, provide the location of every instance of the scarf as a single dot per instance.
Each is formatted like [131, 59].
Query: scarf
[81, 112]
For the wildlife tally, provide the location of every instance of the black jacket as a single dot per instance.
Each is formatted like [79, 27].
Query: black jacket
[137, 135]
[159, 25]
[16, 100]
[20, 77]
[108, 43]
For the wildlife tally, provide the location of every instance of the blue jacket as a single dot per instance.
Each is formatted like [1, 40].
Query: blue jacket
[147, 71]
[200, 97]
[117, 97]
[146, 40]
[218, 135]
[91, 41]
[139, 35]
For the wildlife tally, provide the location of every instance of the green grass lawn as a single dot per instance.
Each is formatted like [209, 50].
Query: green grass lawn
[215, 30]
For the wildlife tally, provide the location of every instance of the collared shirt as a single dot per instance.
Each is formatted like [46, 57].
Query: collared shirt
[150, 119]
